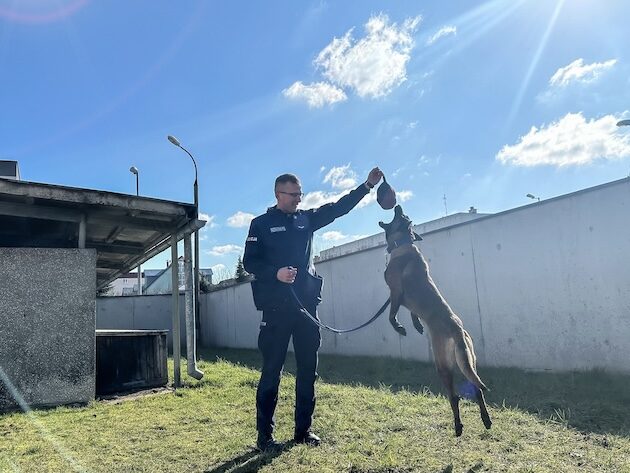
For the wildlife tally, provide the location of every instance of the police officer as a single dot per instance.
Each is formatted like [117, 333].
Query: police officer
[278, 253]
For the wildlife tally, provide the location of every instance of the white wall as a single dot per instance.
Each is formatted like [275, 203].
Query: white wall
[140, 313]
[543, 286]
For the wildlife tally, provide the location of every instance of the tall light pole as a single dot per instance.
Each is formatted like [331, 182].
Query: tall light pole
[134, 170]
[176, 142]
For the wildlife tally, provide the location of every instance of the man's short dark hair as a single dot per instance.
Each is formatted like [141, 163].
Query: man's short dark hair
[283, 178]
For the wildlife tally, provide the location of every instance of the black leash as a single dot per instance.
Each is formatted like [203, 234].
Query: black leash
[332, 329]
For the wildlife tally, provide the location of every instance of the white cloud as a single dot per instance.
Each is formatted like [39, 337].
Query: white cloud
[444, 31]
[341, 177]
[344, 179]
[318, 198]
[240, 219]
[315, 95]
[367, 200]
[376, 63]
[209, 219]
[577, 71]
[404, 196]
[217, 268]
[572, 140]
[224, 250]
[334, 236]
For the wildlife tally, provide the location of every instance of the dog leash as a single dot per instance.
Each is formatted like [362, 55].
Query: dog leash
[313, 319]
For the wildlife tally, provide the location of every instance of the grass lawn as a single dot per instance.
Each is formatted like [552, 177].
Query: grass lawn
[374, 415]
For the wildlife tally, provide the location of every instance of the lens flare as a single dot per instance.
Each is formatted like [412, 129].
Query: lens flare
[39, 11]
[467, 390]
[59, 448]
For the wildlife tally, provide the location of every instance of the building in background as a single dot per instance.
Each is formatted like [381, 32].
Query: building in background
[126, 285]
[161, 283]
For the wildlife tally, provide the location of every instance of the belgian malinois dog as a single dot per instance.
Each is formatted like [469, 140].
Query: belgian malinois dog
[407, 276]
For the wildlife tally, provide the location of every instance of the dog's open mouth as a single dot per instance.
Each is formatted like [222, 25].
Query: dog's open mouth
[398, 216]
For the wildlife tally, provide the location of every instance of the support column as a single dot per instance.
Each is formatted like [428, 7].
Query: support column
[191, 343]
[177, 382]
[82, 231]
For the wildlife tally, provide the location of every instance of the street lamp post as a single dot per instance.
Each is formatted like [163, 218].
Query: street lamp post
[134, 170]
[176, 142]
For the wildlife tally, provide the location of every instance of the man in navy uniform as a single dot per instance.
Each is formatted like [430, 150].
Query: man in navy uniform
[278, 253]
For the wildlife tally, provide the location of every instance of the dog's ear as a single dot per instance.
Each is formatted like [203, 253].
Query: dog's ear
[416, 237]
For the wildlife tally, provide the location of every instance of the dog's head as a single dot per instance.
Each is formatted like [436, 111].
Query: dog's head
[399, 230]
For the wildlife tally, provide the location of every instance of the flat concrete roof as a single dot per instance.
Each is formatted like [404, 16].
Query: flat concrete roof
[125, 230]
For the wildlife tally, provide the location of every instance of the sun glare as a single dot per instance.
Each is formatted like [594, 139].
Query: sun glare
[39, 11]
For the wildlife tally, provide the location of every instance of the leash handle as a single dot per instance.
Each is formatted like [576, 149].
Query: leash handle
[318, 323]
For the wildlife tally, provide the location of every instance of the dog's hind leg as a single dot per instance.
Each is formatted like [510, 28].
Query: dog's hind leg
[485, 417]
[396, 301]
[415, 318]
[481, 401]
[446, 375]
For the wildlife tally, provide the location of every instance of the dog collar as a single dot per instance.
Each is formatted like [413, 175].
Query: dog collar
[406, 240]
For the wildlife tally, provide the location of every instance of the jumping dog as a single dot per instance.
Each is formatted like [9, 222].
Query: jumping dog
[411, 286]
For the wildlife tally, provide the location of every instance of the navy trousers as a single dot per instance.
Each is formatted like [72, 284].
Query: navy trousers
[277, 327]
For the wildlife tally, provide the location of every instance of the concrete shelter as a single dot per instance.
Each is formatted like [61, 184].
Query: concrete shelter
[58, 246]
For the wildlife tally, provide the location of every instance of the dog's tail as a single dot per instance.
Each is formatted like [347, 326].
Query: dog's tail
[465, 357]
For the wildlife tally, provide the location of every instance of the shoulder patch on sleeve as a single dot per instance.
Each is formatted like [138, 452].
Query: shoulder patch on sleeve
[252, 238]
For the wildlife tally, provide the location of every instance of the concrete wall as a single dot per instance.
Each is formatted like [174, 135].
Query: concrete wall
[543, 286]
[151, 312]
[47, 338]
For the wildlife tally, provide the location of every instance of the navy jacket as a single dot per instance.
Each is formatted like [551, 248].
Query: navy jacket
[277, 239]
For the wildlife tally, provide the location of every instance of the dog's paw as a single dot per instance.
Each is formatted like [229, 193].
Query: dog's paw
[401, 330]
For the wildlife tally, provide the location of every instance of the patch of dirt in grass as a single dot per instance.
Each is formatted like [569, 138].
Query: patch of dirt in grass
[117, 398]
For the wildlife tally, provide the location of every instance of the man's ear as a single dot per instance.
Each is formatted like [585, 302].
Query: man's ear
[416, 237]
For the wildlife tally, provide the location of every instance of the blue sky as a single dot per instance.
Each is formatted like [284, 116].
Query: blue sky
[482, 101]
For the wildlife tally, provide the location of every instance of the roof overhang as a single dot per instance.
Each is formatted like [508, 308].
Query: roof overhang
[125, 230]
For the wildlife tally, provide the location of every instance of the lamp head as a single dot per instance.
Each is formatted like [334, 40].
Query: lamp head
[133, 170]
[173, 140]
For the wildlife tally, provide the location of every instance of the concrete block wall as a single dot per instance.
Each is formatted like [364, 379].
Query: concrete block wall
[47, 327]
[541, 287]
[149, 312]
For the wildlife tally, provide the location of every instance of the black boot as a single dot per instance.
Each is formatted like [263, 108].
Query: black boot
[308, 437]
[266, 443]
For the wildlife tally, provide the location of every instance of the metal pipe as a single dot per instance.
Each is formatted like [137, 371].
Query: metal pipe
[177, 382]
[134, 170]
[191, 343]
[197, 269]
